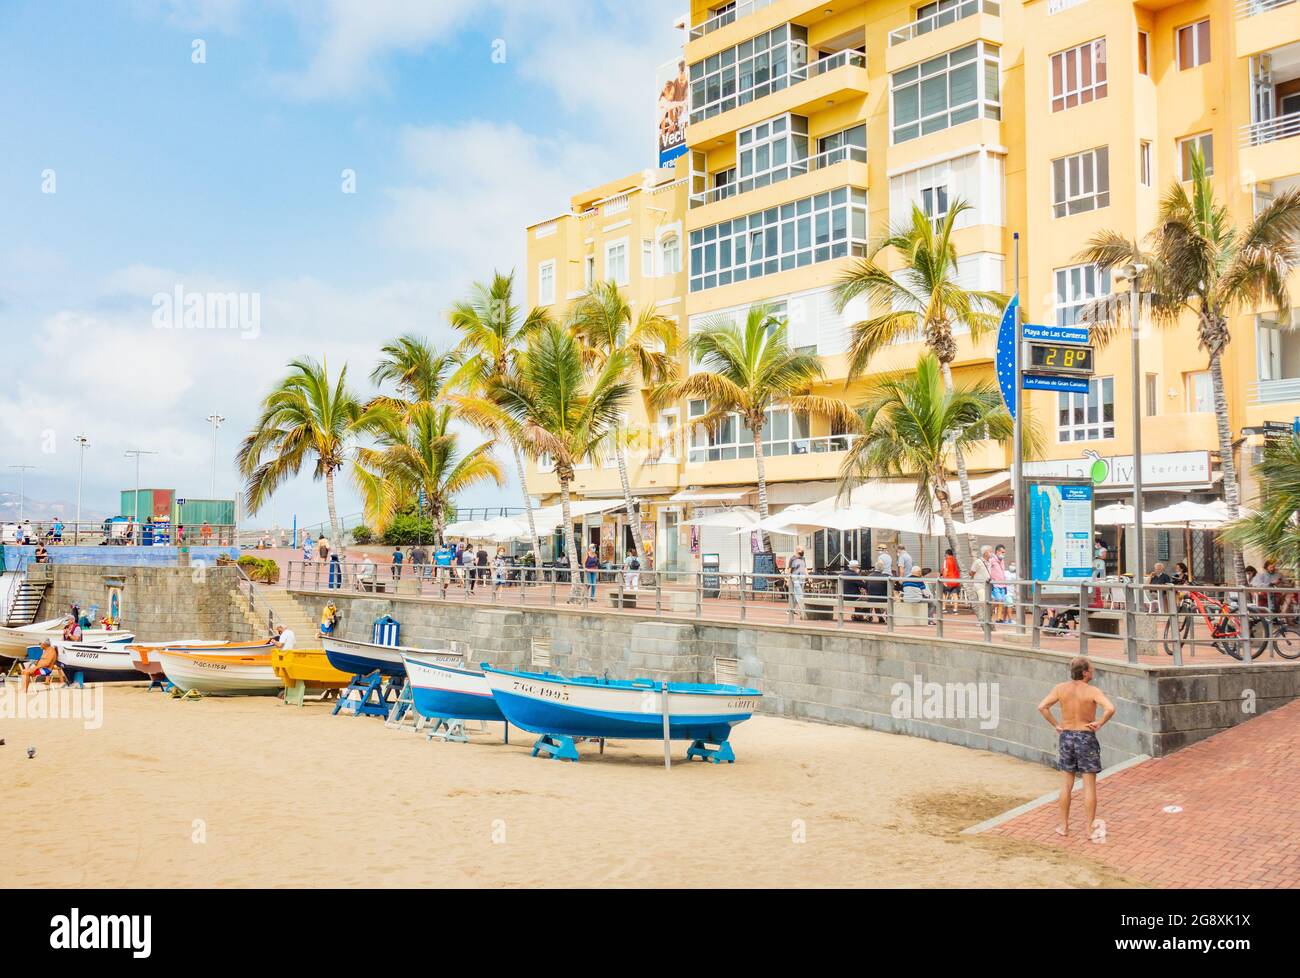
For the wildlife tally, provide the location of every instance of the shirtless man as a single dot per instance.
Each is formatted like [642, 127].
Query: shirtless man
[46, 665]
[1079, 751]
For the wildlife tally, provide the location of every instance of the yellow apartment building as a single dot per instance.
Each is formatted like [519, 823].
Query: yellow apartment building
[814, 126]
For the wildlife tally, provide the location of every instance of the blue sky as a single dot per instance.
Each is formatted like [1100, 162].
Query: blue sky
[226, 173]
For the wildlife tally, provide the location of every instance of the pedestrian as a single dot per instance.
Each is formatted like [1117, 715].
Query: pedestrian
[336, 571]
[307, 549]
[979, 574]
[632, 571]
[205, 533]
[468, 568]
[442, 559]
[481, 569]
[998, 577]
[592, 566]
[323, 547]
[1079, 752]
[498, 569]
[396, 570]
[57, 530]
[950, 574]
[904, 562]
[798, 571]
[366, 574]
[884, 562]
[419, 558]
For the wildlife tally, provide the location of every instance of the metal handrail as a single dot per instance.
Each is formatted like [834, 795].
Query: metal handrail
[1249, 8]
[793, 76]
[793, 168]
[942, 18]
[250, 591]
[1270, 130]
[743, 8]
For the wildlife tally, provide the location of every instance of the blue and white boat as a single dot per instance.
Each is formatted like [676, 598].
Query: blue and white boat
[98, 662]
[363, 658]
[623, 709]
[442, 687]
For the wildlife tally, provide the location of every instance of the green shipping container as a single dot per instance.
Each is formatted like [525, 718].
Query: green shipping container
[156, 503]
[214, 512]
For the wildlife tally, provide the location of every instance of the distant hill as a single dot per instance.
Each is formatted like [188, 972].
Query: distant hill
[40, 512]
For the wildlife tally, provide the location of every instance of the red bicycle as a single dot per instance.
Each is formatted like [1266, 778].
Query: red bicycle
[1223, 621]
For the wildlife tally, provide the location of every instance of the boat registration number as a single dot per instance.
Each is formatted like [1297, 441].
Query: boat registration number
[543, 692]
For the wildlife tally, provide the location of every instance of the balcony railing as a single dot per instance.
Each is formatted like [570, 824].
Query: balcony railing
[942, 18]
[729, 16]
[792, 169]
[794, 76]
[1249, 8]
[1271, 130]
[1273, 391]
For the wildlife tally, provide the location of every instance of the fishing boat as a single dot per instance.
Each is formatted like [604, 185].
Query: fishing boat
[363, 658]
[442, 687]
[16, 640]
[98, 662]
[311, 667]
[622, 709]
[220, 674]
[144, 657]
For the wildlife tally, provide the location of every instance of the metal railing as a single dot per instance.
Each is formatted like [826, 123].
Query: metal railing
[1111, 618]
[742, 8]
[794, 76]
[1270, 130]
[248, 587]
[1268, 391]
[1249, 8]
[794, 168]
[942, 18]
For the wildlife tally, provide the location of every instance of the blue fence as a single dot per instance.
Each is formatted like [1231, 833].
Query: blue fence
[17, 558]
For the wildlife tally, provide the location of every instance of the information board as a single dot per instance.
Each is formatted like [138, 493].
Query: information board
[764, 571]
[1059, 524]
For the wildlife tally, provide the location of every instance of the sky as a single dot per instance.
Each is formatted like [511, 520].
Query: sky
[346, 168]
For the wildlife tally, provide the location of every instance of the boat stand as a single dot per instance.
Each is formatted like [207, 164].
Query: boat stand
[448, 730]
[189, 694]
[373, 696]
[556, 746]
[403, 715]
[718, 753]
[162, 685]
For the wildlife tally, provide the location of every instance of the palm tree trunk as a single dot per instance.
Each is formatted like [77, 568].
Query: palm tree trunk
[633, 514]
[762, 484]
[335, 530]
[528, 507]
[575, 578]
[1231, 490]
[967, 507]
[949, 530]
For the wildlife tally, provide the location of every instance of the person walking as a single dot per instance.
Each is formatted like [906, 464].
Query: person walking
[979, 575]
[1079, 752]
[798, 571]
[904, 562]
[498, 570]
[592, 567]
[396, 570]
[950, 573]
[998, 578]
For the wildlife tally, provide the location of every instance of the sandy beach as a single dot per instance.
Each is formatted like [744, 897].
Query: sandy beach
[251, 792]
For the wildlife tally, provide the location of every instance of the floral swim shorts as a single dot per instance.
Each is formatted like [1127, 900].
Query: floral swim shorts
[1079, 752]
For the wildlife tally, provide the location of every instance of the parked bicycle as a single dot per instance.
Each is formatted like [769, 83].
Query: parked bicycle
[1224, 622]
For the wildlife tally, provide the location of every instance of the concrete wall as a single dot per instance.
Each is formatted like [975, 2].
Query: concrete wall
[17, 558]
[158, 603]
[867, 680]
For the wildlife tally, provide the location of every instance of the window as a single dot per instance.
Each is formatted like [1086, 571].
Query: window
[1152, 396]
[784, 433]
[647, 258]
[1076, 286]
[1144, 53]
[815, 229]
[739, 75]
[946, 91]
[771, 151]
[616, 262]
[589, 271]
[847, 144]
[671, 254]
[1193, 43]
[546, 283]
[1079, 75]
[1081, 182]
[934, 201]
[1199, 390]
[1144, 162]
[668, 437]
[1203, 142]
[1087, 417]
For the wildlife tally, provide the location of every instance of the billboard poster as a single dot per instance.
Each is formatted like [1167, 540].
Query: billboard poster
[672, 85]
[1059, 525]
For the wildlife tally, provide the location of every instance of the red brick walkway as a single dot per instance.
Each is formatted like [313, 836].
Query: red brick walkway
[1240, 821]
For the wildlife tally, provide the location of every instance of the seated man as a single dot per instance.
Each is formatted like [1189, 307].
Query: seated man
[329, 617]
[46, 667]
[875, 589]
[851, 583]
[916, 590]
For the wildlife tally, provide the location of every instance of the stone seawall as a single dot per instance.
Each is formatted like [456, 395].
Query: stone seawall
[967, 693]
[158, 603]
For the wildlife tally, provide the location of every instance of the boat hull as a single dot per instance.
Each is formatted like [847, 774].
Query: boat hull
[308, 666]
[447, 690]
[620, 710]
[98, 663]
[14, 642]
[144, 657]
[221, 675]
[363, 658]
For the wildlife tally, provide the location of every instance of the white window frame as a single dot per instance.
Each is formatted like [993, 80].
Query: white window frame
[647, 258]
[777, 137]
[546, 296]
[1145, 174]
[589, 270]
[1198, 56]
[610, 248]
[668, 438]
[1083, 179]
[670, 263]
[986, 104]
[1075, 286]
[931, 197]
[1206, 141]
[1074, 90]
[1087, 429]
[745, 71]
[734, 442]
[1192, 380]
[1144, 53]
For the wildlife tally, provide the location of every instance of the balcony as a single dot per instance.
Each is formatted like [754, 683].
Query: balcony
[728, 15]
[942, 18]
[796, 168]
[1263, 24]
[1276, 391]
[1270, 144]
[804, 90]
[944, 30]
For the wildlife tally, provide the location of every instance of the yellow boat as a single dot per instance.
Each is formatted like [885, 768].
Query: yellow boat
[306, 670]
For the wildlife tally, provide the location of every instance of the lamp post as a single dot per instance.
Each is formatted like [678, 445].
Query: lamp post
[22, 488]
[215, 420]
[137, 452]
[82, 444]
[1132, 274]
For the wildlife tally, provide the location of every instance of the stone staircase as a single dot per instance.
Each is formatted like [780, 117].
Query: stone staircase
[285, 608]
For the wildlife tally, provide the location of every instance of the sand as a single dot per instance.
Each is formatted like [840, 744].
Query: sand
[251, 792]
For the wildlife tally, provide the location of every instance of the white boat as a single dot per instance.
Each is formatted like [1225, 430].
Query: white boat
[363, 658]
[145, 659]
[15, 641]
[220, 675]
[443, 687]
[97, 662]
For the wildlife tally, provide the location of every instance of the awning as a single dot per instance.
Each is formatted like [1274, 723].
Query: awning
[710, 495]
[898, 496]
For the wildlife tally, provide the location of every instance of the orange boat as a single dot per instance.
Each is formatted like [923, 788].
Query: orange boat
[220, 673]
[145, 656]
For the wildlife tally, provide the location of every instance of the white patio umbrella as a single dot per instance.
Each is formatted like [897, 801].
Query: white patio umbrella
[465, 528]
[503, 528]
[1198, 516]
[997, 525]
[1116, 514]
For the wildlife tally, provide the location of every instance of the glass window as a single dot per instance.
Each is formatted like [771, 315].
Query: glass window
[934, 201]
[946, 91]
[616, 262]
[1144, 163]
[748, 71]
[1199, 390]
[546, 283]
[1076, 286]
[771, 151]
[1087, 417]
[845, 144]
[1193, 43]
[785, 432]
[1152, 396]
[1144, 53]
[671, 254]
[1079, 75]
[647, 258]
[1081, 182]
[1202, 141]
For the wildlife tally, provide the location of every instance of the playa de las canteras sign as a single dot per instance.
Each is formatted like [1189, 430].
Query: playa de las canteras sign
[1116, 471]
[1060, 528]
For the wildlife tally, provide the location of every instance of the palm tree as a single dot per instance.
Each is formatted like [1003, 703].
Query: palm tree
[915, 424]
[1198, 262]
[418, 370]
[305, 416]
[417, 452]
[551, 407]
[605, 323]
[747, 371]
[924, 300]
[1274, 527]
[493, 335]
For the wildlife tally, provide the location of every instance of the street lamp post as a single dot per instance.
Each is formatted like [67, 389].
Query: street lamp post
[1132, 274]
[22, 489]
[137, 452]
[82, 444]
[215, 420]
